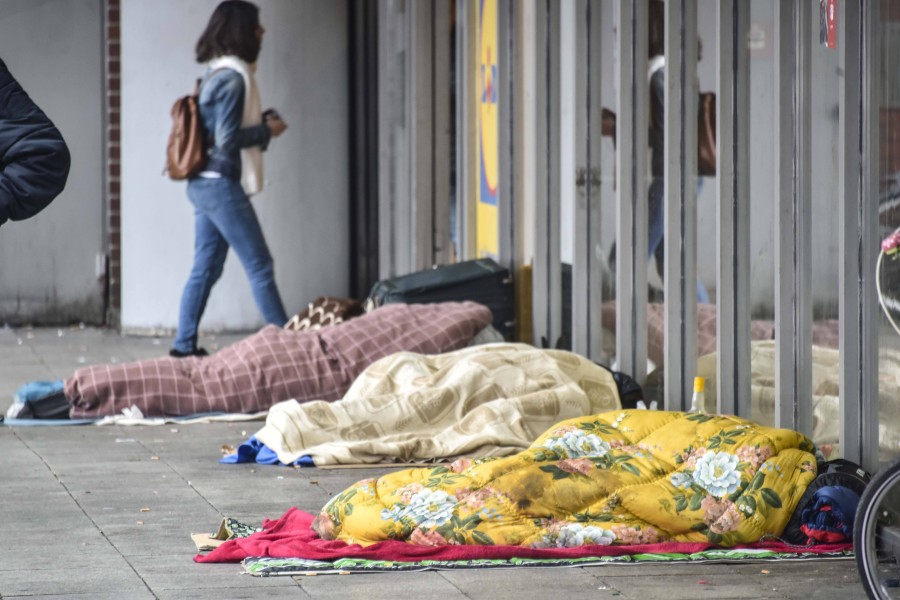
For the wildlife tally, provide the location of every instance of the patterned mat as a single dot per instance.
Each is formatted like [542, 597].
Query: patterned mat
[266, 567]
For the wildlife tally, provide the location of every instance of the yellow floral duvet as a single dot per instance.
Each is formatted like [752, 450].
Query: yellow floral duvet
[622, 477]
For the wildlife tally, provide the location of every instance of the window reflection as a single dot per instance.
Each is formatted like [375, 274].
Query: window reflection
[887, 92]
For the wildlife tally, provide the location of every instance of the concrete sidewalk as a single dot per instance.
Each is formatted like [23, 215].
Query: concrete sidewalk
[107, 512]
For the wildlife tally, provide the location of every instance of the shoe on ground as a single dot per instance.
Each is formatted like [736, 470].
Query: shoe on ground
[195, 352]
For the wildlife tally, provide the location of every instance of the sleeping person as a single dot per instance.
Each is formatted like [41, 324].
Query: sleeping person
[269, 366]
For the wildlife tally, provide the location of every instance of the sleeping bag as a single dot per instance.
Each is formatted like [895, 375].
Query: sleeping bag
[621, 477]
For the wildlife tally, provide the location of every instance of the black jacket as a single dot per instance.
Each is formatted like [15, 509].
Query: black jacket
[34, 158]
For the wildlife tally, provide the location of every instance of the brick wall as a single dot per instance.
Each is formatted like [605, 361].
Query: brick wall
[113, 163]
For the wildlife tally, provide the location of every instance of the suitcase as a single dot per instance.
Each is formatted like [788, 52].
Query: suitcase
[481, 280]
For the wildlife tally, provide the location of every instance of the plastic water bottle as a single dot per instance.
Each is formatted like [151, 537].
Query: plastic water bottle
[698, 399]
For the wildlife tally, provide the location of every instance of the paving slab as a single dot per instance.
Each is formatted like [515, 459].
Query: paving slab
[384, 586]
[509, 584]
[248, 593]
[172, 572]
[49, 555]
[140, 595]
[84, 580]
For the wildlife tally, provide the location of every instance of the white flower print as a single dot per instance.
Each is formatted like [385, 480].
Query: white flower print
[717, 473]
[426, 509]
[571, 536]
[575, 444]
[681, 480]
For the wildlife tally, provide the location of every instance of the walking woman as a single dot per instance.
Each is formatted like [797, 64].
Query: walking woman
[238, 131]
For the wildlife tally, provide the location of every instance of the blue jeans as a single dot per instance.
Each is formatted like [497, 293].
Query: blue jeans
[223, 217]
[656, 220]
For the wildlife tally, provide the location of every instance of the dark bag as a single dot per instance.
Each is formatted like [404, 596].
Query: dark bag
[840, 473]
[706, 135]
[186, 151]
[481, 280]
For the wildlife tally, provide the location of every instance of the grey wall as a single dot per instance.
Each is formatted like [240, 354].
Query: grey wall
[48, 264]
[825, 83]
[303, 210]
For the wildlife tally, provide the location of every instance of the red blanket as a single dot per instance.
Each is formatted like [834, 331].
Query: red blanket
[291, 537]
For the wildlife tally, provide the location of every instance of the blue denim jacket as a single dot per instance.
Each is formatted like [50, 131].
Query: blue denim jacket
[222, 110]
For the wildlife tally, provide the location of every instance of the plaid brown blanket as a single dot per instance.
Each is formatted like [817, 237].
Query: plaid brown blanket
[273, 364]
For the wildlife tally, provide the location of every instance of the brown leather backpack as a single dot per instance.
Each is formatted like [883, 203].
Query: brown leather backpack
[706, 132]
[186, 150]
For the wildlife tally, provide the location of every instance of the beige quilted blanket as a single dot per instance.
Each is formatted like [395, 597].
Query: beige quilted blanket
[825, 391]
[490, 400]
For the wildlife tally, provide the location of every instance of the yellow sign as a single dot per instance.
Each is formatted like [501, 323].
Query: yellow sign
[486, 212]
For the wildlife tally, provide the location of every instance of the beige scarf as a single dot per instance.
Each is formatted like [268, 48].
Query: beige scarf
[251, 158]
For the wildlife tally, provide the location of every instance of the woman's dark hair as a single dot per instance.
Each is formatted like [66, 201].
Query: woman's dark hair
[231, 30]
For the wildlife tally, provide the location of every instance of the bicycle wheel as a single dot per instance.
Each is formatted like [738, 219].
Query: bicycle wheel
[876, 534]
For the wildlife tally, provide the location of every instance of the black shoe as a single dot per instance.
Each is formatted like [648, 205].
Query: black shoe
[195, 352]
